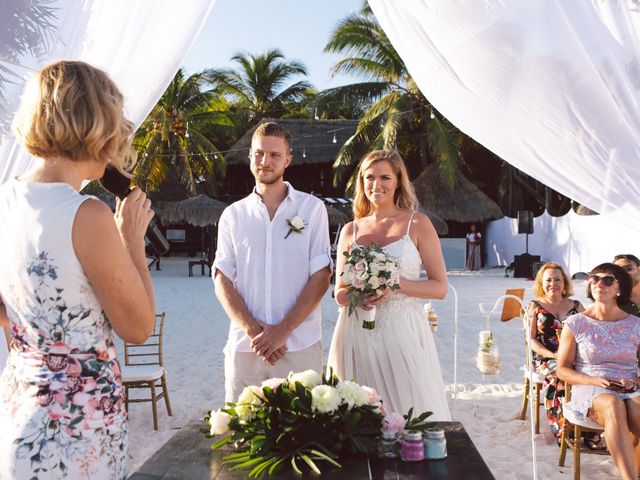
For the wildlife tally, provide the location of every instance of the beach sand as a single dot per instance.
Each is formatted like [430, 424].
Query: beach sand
[488, 407]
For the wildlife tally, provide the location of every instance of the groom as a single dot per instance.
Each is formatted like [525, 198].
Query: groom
[271, 269]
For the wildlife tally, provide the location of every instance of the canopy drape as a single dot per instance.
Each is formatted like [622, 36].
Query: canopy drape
[140, 44]
[551, 87]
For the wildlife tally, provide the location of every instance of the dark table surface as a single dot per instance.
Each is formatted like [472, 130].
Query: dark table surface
[188, 455]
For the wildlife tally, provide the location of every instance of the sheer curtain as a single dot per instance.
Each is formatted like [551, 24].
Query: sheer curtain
[140, 43]
[551, 87]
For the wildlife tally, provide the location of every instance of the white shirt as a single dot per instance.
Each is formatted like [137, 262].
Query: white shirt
[269, 271]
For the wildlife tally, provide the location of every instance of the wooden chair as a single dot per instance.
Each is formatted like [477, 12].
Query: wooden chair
[143, 368]
[579, 425]
[512, 309]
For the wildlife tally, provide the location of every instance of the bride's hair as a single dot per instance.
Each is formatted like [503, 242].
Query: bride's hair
[404, 197]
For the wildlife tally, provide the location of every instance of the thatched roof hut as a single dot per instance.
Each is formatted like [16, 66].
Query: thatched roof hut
[199, 211]
[465, 202]
[438, 222]
[313, 140]
[314, 152]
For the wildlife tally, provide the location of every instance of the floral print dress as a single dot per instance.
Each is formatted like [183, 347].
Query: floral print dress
[61, 398]
[548, 334]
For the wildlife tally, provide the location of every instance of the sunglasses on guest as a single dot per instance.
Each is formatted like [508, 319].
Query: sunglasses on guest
[607, 280]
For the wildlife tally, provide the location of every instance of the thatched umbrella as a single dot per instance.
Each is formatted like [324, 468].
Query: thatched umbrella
[438, 223]
[465, 202]
[200, 211]
[336, 217]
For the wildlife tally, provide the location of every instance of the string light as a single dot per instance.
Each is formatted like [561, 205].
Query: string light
[432, 115]
[186, 132]
[315, 114]
[335, 140]
[304, 153]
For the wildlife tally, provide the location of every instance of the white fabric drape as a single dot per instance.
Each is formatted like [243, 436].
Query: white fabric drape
[577, 242]
[140, 44]
[549, 86]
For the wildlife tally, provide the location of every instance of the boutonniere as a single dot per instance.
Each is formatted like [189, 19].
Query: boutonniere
[296, 224]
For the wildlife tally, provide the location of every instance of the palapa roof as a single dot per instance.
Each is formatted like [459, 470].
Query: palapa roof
[464, 203]
[438, 222]
[336, 217]
[312, 140]
[199, 211]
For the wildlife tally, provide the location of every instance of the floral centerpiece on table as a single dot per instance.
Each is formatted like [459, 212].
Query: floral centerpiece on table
[297, 421]
[368, 270]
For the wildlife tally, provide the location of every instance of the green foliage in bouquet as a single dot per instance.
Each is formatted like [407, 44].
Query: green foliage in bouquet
[297, 421]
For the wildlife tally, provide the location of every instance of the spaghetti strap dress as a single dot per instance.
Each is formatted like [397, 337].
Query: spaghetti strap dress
[398, 357]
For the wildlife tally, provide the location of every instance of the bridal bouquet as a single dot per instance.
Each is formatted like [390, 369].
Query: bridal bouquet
[368, 270]
[296, 421]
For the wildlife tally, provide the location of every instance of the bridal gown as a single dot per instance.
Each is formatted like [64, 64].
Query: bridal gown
[398, 357]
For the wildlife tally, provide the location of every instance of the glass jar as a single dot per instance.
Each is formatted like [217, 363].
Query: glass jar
[411, 446]
[435, 444]
[388, 445]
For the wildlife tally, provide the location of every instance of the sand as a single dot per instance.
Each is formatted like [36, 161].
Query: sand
[488, 407]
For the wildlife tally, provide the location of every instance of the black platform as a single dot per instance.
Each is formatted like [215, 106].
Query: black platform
[523, 265]
[188, 455]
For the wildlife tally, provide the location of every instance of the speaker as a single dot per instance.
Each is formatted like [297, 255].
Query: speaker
[525, 221]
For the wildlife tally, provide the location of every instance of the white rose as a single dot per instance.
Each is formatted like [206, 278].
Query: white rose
[251, 395]
[390, 266]
[272, 383]
[346, 278]
[297, 222]
[352, 394]
[428, 308]
[374, 282]
[380, 257]
[219, 422]
[325, 398]
[374, 268]
[308, 378]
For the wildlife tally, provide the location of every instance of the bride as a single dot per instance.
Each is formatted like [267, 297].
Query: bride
[398, 357]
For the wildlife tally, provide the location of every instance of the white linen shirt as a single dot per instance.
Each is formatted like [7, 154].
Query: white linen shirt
[269, 271]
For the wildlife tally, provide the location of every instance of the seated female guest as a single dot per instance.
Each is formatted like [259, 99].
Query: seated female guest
[599, 354]
[547, 312]
[70, 275]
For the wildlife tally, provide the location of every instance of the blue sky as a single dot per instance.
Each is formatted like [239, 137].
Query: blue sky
[299, 28]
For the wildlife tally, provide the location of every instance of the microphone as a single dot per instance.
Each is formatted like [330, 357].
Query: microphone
[120, 186]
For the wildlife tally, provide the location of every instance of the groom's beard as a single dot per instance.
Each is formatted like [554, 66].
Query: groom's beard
[268, 177]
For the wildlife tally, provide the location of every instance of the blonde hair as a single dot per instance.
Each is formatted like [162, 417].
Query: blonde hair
[537, 286]
[72, 110]
[404, 196]
[273, 129]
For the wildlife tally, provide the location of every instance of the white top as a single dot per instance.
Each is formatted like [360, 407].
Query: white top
[41, 279]
[471, 237]
[268, 270]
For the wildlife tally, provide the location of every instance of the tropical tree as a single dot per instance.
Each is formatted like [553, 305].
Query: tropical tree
[175, 139]
[258, 86]
[25, 28]
[398, 115]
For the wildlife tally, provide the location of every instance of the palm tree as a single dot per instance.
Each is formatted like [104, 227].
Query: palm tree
[175, 139]
[398, 115]
[27, 28]
[258, 84]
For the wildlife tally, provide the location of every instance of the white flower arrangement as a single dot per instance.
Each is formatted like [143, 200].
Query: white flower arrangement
[305, 418]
